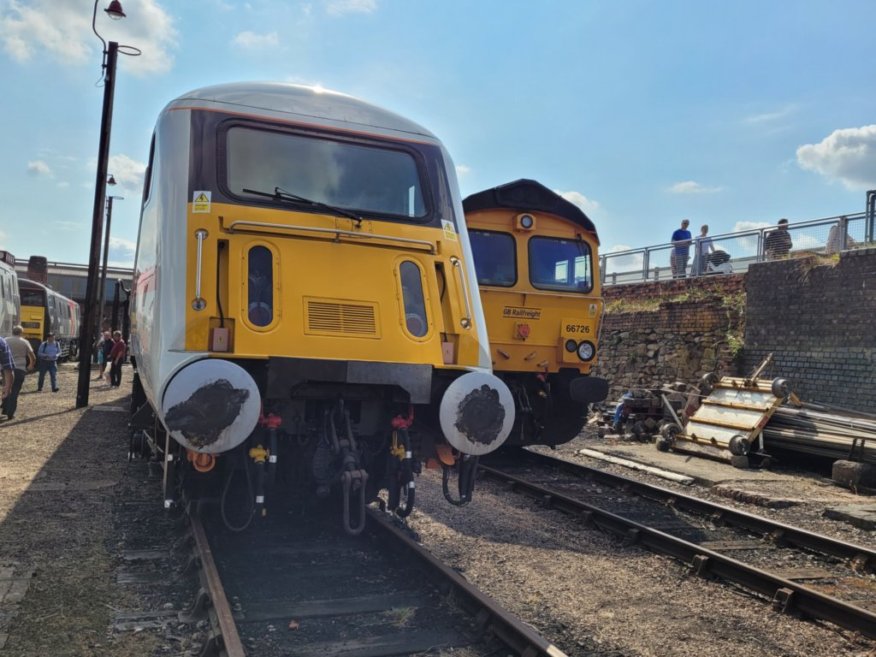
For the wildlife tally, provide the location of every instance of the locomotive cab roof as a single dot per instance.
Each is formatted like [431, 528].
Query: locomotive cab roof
[528, 195]
[298, 100]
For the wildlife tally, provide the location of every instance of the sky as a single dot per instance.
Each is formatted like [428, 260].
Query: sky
[642, 112]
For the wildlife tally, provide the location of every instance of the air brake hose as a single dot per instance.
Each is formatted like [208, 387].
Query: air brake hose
[407, 475]
[468, 467]
[223, 499]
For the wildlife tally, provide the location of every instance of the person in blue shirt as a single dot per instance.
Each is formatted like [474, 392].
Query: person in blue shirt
[681, 239]
[47, 361]
[8, 367]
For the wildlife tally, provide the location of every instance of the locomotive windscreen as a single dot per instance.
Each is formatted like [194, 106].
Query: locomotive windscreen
[355, 176]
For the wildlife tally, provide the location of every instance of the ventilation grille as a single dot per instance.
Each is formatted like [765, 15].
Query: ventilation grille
[341, 318]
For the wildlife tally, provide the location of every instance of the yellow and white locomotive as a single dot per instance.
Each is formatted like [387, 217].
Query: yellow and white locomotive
[304, 305]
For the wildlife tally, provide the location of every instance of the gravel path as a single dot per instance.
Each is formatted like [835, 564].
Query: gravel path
[66, 500]
[594, 596]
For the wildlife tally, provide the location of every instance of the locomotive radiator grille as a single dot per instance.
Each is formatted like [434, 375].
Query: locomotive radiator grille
[337, 318]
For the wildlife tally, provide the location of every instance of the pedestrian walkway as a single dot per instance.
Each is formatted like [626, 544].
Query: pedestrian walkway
[59, 469]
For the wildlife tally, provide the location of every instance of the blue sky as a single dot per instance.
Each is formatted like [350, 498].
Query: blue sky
[643, 112]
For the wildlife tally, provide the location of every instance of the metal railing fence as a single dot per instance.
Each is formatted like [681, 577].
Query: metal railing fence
[735, 252]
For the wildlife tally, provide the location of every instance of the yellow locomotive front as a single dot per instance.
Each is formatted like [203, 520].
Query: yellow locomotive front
[537, 268]
[328, 283]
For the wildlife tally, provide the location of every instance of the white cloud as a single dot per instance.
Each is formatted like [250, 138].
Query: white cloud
[127, 172]
[632, 262]
[741, 226]
[462, 170]
[577, 198]
[341, 7]
[38, 168]
[62, 30]
[770, 117]
[121, 252]
[70, 226]
[692, 187]
[847, 155]
[252, 41]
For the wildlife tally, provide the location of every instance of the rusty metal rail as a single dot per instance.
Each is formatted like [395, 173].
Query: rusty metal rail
[490, 615]
[863, 557]
[224, 639]
[786, 595]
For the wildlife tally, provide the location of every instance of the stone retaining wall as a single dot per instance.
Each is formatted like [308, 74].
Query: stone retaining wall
[672, 330]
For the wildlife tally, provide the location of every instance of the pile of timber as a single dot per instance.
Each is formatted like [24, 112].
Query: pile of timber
[823, 431]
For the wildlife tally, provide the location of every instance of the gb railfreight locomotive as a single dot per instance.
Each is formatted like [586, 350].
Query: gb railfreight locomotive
[538, 270]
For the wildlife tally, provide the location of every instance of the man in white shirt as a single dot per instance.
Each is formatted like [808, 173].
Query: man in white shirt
[23, 359]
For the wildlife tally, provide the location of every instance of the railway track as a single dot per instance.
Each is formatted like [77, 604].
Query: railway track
[293, 586]
[797, 570]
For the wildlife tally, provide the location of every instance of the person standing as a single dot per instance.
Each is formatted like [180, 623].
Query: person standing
[104, 347]
[681, 250]
[8, 368]
[23, 359]
[834, 237]
[777, 243]
[117, 357]
[47, 361]
[704, 247]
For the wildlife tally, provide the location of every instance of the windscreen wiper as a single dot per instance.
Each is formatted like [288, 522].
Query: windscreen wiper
[282, 195]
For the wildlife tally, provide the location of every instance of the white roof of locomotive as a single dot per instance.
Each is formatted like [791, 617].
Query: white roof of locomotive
[298, 100]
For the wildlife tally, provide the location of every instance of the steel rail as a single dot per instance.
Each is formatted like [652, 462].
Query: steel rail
[776, 531]
[231, 645]
[786, 595]
[489, 614]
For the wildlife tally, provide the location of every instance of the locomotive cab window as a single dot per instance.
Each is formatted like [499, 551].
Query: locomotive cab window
[412, 297]
[494, 256]
[560, 264]
[260, 286]
[364, 178]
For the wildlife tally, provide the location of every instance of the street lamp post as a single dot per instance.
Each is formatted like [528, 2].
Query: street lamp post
[102, 287]
[86, 336]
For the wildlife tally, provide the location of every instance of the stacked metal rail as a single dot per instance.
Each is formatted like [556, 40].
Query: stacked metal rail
[823, 431]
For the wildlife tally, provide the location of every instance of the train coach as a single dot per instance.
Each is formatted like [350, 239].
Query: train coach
[45, 311]
[537, 268]
[9, 299]
[304, 307]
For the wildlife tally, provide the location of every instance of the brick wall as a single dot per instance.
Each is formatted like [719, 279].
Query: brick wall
[816, 315]
[818, 318]
[672, 330]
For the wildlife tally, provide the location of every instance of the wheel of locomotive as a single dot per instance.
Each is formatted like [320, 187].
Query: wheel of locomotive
[739, 446]
[780, 387]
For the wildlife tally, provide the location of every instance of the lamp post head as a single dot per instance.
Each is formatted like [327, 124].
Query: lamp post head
[111, 180]
[115, 11]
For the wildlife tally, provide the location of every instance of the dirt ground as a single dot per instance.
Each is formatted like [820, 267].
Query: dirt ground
[73, 511]
[69, 505]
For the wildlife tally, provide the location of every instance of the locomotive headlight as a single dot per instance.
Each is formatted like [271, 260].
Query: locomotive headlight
[586, 350]
[571, 346]
[525, 222]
